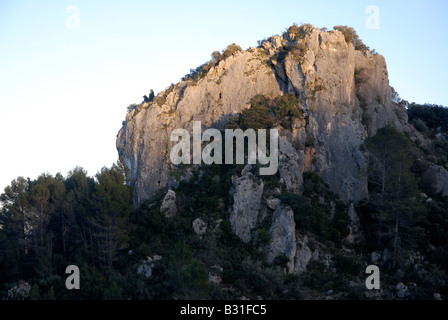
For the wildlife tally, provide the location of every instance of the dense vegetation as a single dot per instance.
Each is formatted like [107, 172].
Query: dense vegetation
[51, 222]
[351, 36]
[432, 122]
[201, 71]
[403, 219]
[266, 113]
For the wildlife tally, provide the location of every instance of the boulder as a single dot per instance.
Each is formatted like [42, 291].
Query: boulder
[145, 268]
[402, 290]
[215, 274]
[273, 203]
[199, 227]
[168, 206]
[435, 178]
[20, 291]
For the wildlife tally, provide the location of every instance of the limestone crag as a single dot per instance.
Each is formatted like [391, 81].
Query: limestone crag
[344, 96]
[344, 93]
[283, 240]
[168, 206]
[248, 191]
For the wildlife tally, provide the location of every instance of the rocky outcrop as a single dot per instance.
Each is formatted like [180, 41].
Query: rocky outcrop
[145, 268]
[215, 274]
[303, 256]
[168, 206]
[290, 165]
[435, 178]
[283, 240]
[248, 191]
[344, 94]
[21, 291]
[199, 227]
[273, 203]
[356, 234]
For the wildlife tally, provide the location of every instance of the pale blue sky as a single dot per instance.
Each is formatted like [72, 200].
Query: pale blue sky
[64, 92]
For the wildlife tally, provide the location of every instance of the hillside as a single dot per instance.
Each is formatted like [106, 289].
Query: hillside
[362, 180]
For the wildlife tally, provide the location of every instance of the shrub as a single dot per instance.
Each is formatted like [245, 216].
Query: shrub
[359, 78]
[313, 208]
[299, 32]
[201, 71]
[160, 100]
[352, 37]
[434, 116]
[230, 50]
[420, 125]
[264, 280]
[258, 115]
[133, 106]
[263, 236]
[347, 265]
[265, 113]
[310, 141]
[161, 97]
[395, 96]
[286, 108]
[150, 97]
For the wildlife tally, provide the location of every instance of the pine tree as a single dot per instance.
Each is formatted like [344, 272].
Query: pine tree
[15, 227]
[391, 182]
[112, 198]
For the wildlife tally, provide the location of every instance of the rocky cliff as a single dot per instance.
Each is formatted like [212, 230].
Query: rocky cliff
[344, 95]
[336, 204]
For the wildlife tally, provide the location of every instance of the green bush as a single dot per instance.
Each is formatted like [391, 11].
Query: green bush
[312, 210]
[201, 71]
[352, 37]
[266, 281]
[299, 32]
[161, 97]
[265, 113]
[286, 108]
[347, 265]
[230, 50]
[256, 117]
[434, 116]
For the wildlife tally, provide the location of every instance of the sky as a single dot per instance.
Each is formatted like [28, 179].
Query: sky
[69, 69]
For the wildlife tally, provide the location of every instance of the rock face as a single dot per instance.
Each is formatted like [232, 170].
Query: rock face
[343, 97]
[248, 191]
[402, 290]
[19, 292]
[354, 226]
[436, 179]
[199, 227]
[283, 240]
[303, 256]
[147, 265]
[168, 206]
[344, 94]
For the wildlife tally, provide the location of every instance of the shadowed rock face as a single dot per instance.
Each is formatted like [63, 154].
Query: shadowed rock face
[436, 179]
[344, 94]
[246, 205]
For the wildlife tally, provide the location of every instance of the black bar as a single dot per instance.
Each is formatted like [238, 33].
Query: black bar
[234, 309]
